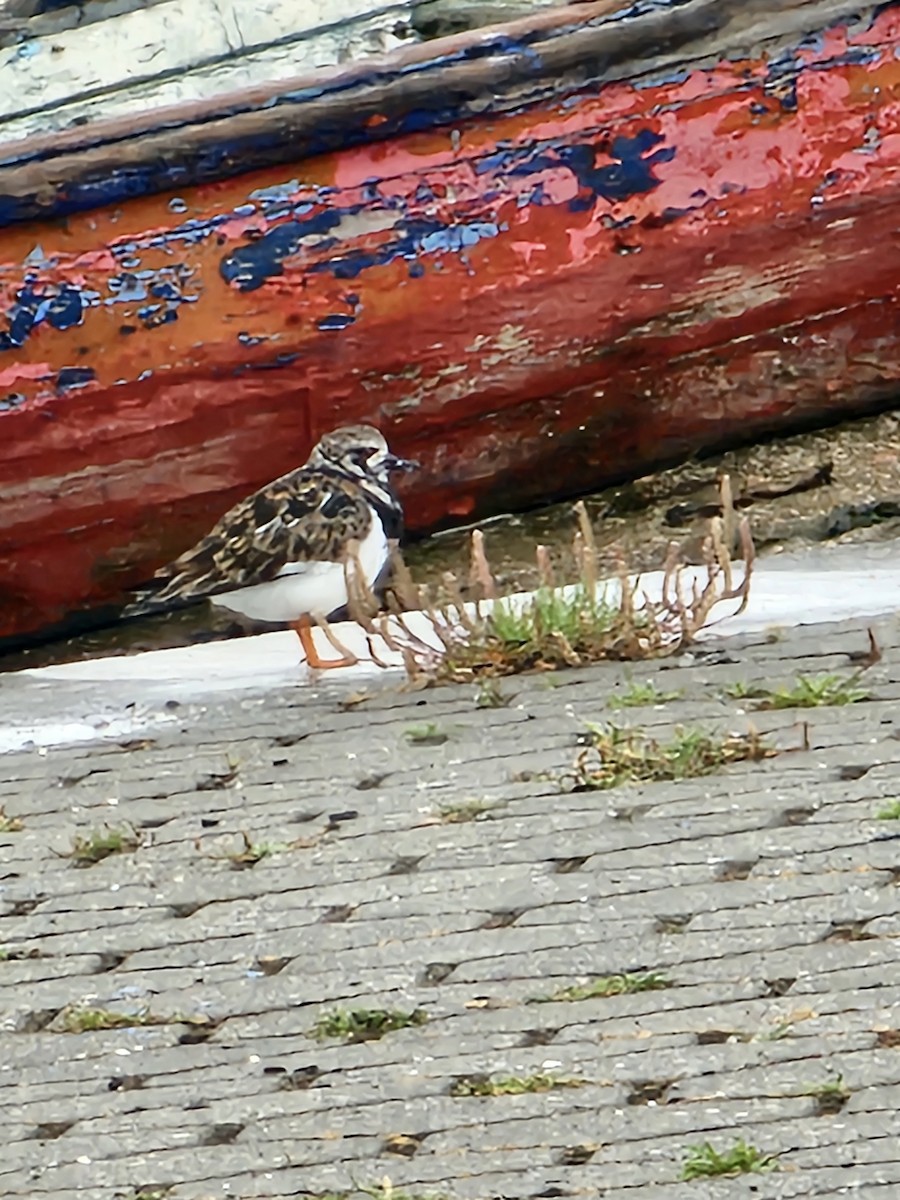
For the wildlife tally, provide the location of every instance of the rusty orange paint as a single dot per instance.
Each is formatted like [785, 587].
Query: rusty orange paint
[531, 304]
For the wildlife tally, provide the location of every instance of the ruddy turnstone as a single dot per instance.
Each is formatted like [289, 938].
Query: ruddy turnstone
[283, 554]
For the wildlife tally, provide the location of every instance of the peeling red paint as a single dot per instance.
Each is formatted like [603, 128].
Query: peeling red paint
[531, 304]
[17, 371]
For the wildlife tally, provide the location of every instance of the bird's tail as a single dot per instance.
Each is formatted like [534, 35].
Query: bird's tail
[151, 599]
[146, 602]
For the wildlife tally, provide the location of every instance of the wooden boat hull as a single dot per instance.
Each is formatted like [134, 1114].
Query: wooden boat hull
[532, 302]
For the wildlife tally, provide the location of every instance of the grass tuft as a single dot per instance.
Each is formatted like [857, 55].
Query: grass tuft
[425, 735]
[251, 852]
[617, 755]
[19, 953]
[609, 985]
[890, 812]
[481, 1085]
[102, 843]
[385, 1190]
[365, 1024]
[10, 824]
[830, 1096]
[489, 694]
[742, 690]
[78, 1019]
[704, 1161]
[640, 695]
[807, 691]
[463, 813]
[586, 621]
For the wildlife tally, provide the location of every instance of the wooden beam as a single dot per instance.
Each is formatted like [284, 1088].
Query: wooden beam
[422, 86]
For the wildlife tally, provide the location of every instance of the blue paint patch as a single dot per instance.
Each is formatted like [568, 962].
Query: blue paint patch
[11, 400]
[455, 237]
[672, 77]
[631, 174]
[781, 79]
[278, 209]
[349, 267]
[416, 270]
[855, 56]
[60, 306]
[279, 191]
[416, 236]
[74, 377]
[65, 309]
[126, 289]
[153, 315]
[36, 257]
[21, 323]
[165, 291]
[667, 217]
[335, 321]
[250, 266]
[643, 8]
[280, 360]
[501, 160]
[581, 204]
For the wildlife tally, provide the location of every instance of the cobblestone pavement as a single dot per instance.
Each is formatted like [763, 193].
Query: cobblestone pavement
[424, 858]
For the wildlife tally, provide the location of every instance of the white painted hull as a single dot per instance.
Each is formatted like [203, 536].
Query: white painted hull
[170, 52]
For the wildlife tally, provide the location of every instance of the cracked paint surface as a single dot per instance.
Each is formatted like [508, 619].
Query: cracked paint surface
[530, 304]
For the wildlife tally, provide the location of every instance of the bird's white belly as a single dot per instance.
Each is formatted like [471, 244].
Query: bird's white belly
[307, 588]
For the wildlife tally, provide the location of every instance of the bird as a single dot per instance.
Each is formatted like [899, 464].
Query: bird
[284, 553]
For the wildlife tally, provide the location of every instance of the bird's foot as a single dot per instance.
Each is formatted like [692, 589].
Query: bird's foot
[303, 630]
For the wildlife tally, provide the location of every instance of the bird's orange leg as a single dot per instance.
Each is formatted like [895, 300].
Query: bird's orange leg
[303, 629]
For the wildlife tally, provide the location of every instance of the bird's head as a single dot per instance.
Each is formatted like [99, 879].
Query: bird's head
[358, 451]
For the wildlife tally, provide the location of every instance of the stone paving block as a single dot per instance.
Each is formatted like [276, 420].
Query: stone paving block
[766, 892]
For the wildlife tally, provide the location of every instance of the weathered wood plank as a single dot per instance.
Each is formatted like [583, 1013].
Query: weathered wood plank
[442, 18]
[114, 66]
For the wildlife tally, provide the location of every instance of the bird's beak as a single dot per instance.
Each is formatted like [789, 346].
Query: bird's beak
[394, 463]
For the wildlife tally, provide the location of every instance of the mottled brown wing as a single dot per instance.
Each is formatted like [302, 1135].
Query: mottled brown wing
[296, 520]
